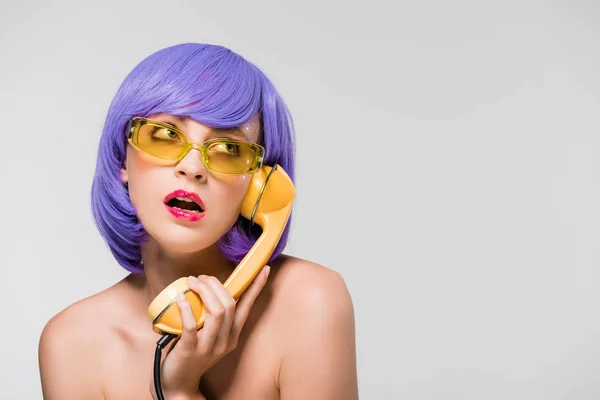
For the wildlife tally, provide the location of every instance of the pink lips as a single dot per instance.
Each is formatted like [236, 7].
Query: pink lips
[189, 215]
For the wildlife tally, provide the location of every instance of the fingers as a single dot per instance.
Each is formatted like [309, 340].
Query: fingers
[228, 303]
[188, 339]
[247, 300]
[224, 319]
[215, 312]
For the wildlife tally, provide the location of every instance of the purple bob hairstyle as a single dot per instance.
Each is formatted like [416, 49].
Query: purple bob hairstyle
[211, 85]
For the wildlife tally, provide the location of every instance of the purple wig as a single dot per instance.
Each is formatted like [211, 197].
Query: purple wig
[210, 84]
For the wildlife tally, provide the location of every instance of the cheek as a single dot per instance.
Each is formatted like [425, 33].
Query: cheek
[231, 191]
[143, 178]
[234, 180]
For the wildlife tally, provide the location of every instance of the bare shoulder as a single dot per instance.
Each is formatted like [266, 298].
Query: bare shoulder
[302, 283]
[308, 296]
[73, 319]
[69, 349]
[315, 320]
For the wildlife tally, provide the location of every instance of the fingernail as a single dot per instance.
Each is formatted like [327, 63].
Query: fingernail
[267, 271]
[202, 277]
[180, 296]
[192, 279]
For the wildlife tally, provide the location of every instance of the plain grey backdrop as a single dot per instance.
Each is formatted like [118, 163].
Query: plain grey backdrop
[448, 168]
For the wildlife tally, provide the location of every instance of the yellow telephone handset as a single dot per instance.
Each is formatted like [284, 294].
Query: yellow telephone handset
[268, 202]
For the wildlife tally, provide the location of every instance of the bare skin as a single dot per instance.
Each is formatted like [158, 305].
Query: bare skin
[297, 343]
[289, 337]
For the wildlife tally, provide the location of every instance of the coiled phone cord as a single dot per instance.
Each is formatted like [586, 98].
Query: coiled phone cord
[162, 342]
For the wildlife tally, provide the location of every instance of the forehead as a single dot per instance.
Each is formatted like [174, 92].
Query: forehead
[250, 130]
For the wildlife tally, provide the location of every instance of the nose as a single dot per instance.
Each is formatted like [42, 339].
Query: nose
[191, 166]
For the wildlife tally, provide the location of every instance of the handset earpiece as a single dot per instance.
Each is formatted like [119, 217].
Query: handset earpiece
[268, 203]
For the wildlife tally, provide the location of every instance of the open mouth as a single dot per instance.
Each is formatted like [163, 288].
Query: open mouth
[185, 204]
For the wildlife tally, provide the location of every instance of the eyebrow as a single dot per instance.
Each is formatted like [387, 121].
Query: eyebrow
[215, 132]
[235, 131]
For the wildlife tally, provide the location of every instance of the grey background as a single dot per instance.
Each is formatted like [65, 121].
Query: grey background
[448, 167]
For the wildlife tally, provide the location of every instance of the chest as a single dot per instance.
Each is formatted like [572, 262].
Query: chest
[250, 371]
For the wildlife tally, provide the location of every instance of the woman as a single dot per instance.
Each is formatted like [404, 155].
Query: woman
[167, 216]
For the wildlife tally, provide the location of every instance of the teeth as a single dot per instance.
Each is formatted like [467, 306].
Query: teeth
[184, 199]
[188, 211]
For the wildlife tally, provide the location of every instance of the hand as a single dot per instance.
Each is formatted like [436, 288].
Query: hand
[196, 351]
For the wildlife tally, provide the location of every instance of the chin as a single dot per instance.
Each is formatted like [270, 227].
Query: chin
[182, 240]
[176, 238]
[183, 245]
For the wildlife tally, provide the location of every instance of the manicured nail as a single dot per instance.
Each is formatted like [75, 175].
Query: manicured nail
[267, 271]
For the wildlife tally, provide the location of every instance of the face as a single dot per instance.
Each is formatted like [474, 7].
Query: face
[184, 206]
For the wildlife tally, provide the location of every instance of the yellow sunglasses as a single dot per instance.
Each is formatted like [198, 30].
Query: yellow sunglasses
[169, 144]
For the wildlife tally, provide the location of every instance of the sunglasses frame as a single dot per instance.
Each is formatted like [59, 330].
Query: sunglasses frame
[137, 122]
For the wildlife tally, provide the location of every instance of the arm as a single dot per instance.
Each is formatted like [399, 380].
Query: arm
[320, 360]
[66, 368]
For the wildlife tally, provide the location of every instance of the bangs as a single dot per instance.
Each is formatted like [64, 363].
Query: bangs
[215, 86]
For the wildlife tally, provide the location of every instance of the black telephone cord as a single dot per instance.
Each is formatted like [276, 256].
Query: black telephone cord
[162, 342]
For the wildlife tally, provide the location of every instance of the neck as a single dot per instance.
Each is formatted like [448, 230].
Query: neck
[161, 268]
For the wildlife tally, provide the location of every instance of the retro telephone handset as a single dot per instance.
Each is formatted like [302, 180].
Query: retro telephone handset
[268, 202]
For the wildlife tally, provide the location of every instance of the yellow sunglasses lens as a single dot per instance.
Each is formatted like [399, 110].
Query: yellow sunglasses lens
[161, 142]
[231, 156]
